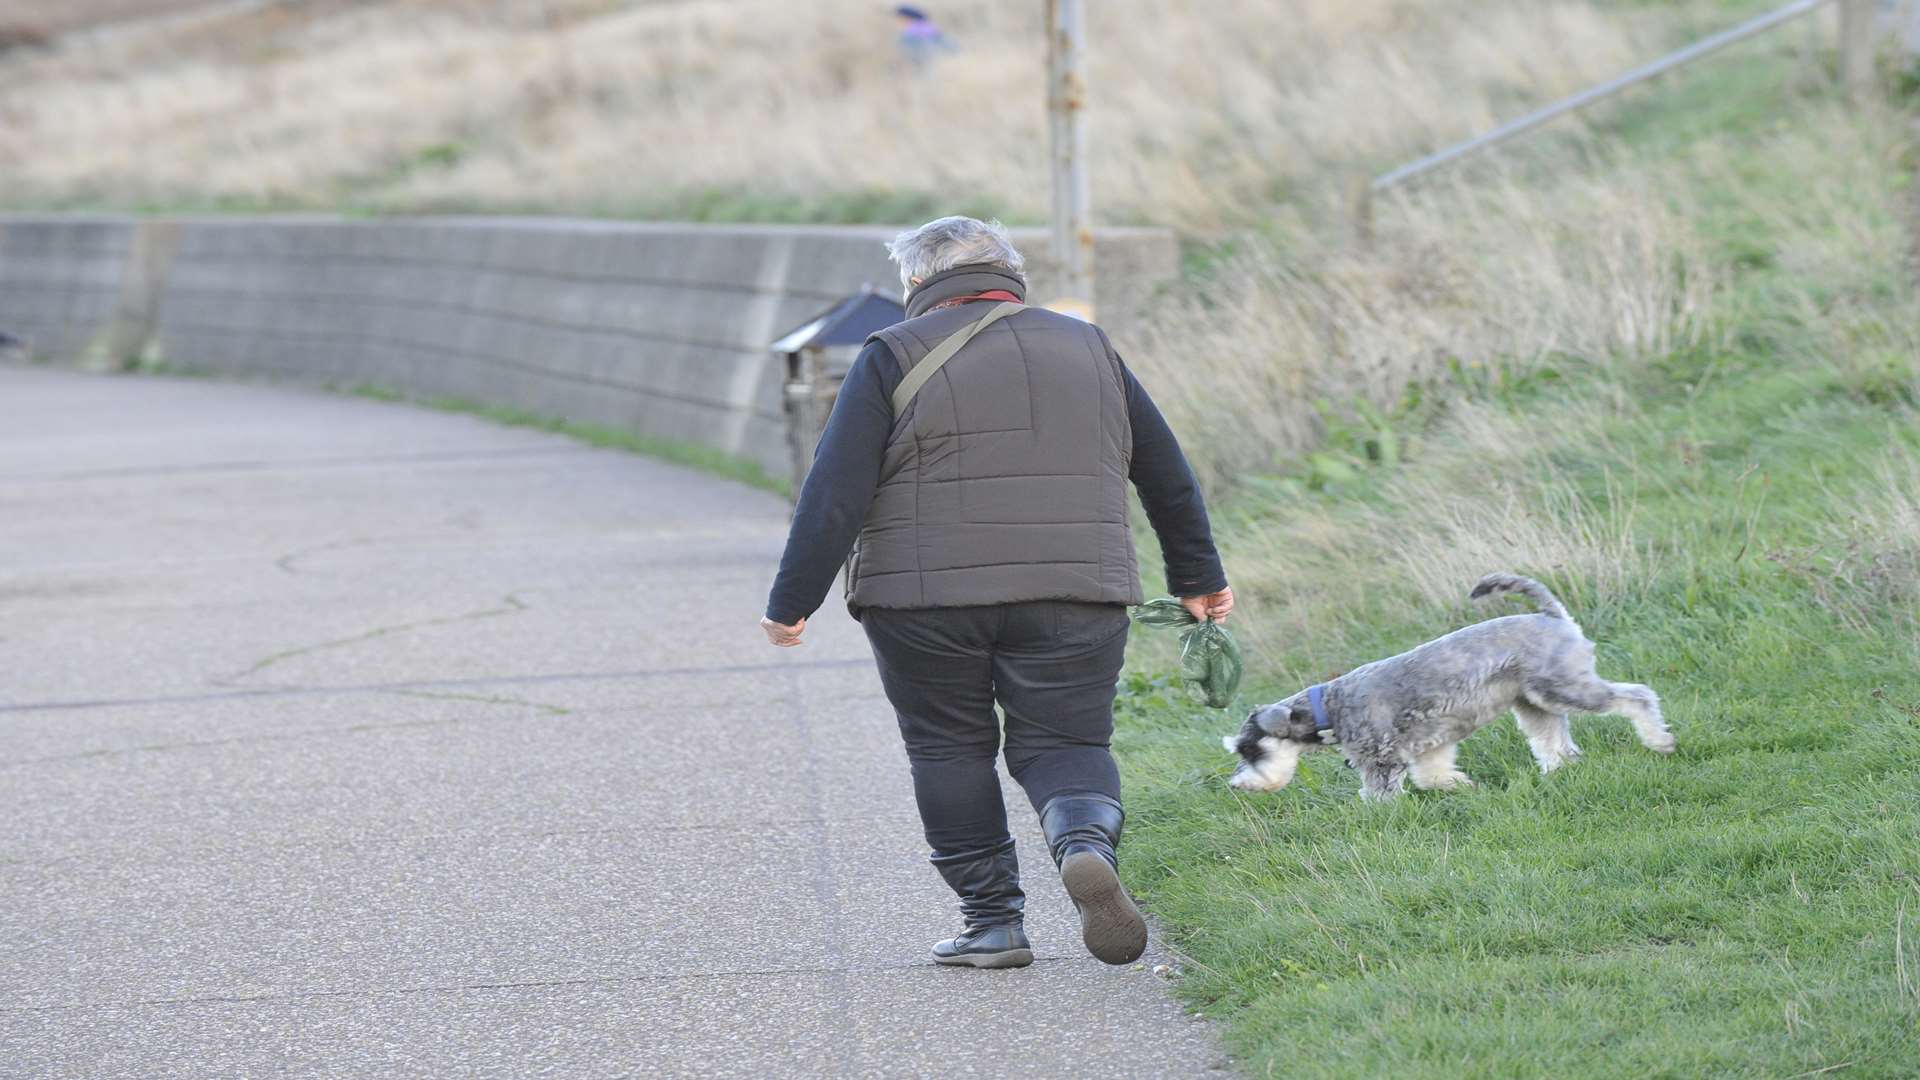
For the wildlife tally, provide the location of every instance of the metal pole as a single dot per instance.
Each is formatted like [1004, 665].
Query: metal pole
[1604, 90]
[1856, 47]
[1066, 99]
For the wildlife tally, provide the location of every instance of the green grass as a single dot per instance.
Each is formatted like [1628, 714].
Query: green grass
[693, 455]
[1732, 910]
[1749, 906]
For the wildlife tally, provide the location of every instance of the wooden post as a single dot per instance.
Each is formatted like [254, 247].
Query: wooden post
[1066, 99]
[1856, 47]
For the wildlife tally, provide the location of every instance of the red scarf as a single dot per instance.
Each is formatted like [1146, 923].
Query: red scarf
[991, 294]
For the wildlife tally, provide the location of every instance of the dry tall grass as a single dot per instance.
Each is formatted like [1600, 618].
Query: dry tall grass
[1594, 274]
[1201, 114]
[1492, 277]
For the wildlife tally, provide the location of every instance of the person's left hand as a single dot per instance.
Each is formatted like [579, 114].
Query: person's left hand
[1213, 607]
[780, 634]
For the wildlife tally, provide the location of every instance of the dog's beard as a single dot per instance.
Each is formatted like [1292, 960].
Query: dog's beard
[1279, 759]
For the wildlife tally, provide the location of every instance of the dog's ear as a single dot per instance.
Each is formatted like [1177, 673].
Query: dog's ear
[1300, 722]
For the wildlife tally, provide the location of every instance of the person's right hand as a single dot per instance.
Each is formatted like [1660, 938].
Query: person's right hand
[781, 634]
[1213, 606]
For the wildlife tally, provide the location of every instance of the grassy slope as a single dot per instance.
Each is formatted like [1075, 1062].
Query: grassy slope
[566, 105]
[1748, 907]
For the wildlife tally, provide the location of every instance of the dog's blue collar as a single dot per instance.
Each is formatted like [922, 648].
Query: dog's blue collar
[1317, 701]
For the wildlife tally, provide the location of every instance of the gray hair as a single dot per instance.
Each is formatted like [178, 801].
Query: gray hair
[953, 241]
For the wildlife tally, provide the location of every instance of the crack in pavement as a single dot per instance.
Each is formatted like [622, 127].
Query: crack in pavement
[534, 984]
[286, 562]
[484, 699]
[515, 605]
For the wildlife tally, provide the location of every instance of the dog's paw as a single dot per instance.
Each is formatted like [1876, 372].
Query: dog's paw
[1660, 744]
[1446, 781]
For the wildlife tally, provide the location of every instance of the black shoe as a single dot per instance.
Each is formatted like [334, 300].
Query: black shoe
[985, 947]
[988, 884]
[1083, 831]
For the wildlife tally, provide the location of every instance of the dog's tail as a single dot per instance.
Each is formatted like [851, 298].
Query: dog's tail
[1525, 586]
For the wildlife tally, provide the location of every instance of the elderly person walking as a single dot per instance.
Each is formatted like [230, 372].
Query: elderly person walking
[976, 466]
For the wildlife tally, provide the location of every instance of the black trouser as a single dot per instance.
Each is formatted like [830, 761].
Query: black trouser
[1052, 665]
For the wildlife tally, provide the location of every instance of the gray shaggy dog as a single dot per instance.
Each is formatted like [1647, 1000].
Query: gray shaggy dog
[1404, 717]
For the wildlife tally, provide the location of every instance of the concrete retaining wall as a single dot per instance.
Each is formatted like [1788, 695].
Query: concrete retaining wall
[659, 329]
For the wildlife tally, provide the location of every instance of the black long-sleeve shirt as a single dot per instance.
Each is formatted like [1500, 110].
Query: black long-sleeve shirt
[846, 473]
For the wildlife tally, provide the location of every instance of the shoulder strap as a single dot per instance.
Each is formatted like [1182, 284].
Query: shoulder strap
[943, 352]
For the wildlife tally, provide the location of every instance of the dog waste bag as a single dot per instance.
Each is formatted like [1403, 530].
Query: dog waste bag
[1209, 658]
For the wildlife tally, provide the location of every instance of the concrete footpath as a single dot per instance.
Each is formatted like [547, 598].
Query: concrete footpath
[344, 738]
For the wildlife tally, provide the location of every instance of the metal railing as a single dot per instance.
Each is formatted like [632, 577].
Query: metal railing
[1856, 67]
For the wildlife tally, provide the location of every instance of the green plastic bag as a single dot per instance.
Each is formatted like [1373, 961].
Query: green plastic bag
[1209, 658]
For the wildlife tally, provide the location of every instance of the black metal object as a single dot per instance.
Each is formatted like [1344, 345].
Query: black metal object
[845, 323]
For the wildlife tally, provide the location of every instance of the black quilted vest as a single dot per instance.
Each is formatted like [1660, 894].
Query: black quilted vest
[1005, 479]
